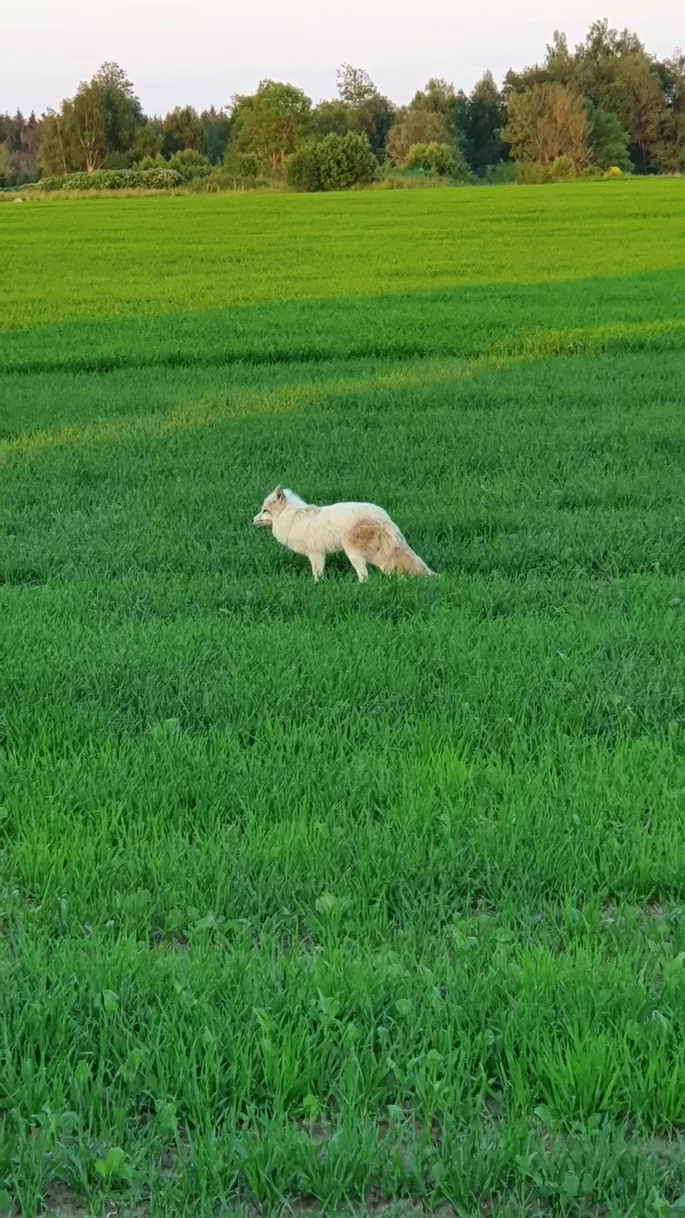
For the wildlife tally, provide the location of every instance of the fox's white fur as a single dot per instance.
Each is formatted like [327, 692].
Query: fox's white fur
[365, 532]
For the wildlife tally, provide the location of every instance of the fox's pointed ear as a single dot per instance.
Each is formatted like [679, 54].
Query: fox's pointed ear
[279, 492]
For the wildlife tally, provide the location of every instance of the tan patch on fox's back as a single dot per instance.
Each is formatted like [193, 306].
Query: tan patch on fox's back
[366, 537]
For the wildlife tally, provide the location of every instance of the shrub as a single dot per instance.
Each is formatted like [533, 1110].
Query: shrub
[113, 179]
[53, 182]
[413, 180]
[336, 163]
[210, 183]
[532, 173]
[253, 168]
[439, 159]
[389, 177]
[190, 164]
[302, 169]
[563, 169]
[614, 172]
[591, 173]
[501, 174]
[152, 162]
[244, 170]
[345, 160]
[159, 179]
[396, 180]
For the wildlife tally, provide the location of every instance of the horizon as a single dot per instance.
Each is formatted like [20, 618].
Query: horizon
[176, 66]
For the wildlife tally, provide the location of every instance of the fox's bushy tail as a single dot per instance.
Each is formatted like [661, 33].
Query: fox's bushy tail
[381, 544]
[405, 561]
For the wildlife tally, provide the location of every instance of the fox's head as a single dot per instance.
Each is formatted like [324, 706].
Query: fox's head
[272, 507]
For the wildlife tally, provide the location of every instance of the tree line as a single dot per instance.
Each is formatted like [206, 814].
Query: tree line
[605, 105]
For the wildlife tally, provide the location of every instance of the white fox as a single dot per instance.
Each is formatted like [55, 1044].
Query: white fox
[365, 532]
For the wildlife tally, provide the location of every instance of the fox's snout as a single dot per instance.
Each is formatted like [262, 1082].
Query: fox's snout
[260, 520]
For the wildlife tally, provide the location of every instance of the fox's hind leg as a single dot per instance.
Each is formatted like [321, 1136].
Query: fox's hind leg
[358, 561]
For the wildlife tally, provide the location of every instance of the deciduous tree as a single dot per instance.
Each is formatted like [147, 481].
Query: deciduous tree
[182, 128]
[87, 122]
[217, 132]
[480, 119]
[545, 122]
[368, 111]
[55, 155]
[607, 141]
[120, 108]
[416, 127]
[271, 121]
[330, 117]
[439, 97]
[101, 120]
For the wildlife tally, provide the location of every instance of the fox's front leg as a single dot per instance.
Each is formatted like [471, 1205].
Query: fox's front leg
[318, 562]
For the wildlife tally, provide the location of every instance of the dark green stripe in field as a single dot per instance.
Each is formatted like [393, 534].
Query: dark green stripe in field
[500, 320]
[551, 467]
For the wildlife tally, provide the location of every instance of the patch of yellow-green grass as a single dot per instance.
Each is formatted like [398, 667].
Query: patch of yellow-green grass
[114, 257]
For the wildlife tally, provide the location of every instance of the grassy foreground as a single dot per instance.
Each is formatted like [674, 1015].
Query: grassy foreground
[348, 898]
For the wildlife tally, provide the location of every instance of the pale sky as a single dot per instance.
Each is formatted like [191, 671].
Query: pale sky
[200, 53]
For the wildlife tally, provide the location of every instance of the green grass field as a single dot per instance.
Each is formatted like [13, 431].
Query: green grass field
[363, 899]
